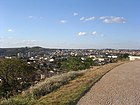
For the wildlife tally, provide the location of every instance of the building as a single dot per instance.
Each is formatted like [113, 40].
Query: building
[131, 58]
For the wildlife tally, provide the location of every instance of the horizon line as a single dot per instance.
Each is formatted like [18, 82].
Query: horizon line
[71, 48]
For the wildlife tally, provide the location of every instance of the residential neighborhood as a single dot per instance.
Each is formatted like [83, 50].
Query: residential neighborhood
[49, 62]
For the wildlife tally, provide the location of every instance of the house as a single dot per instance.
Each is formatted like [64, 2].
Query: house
[131, 58]
[112, 56]
[101, 59]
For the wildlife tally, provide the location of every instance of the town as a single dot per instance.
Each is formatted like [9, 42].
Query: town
[49, 61]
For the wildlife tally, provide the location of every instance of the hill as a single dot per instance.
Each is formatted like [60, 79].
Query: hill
[65, 89]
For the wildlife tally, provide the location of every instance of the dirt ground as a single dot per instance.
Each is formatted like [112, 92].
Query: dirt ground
[121, 86]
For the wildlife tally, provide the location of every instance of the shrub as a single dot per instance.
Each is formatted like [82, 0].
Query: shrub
[18, 100]
[53, 83]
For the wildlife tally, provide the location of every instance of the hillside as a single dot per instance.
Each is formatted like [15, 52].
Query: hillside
[66, 90]
[14, 51]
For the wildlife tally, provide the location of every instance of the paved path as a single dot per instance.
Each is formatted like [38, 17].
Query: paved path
[121, 86]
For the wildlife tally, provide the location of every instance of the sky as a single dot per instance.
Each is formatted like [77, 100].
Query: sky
[70, 24]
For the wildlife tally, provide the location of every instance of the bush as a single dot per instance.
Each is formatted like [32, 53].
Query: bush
[48, 85]
[14, 72]
[18, 100]
[53, 83]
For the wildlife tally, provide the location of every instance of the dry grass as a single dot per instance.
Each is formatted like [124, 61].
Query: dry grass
[53, 83]
[69, 94]
[42, 88]
[65, 89]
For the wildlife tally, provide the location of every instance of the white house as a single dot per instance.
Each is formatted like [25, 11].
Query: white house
[131, 58]
[101, 59]
[112, 56]
[51, 60]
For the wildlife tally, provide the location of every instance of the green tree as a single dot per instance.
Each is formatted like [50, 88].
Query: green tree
[123, 57]
[15, 75]
[76, 63]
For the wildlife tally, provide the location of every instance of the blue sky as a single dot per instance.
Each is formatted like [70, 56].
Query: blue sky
[70, 23]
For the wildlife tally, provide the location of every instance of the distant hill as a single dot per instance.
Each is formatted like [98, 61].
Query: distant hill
[14, 51]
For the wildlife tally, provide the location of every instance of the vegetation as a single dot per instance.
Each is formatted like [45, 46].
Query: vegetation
[123, 57]
[15, 75]
[63, 89]
[69, 94]
[77, 63]
[53, 83]
[30, 96]
[18, 100]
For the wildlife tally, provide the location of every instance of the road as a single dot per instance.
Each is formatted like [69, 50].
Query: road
[121, 86]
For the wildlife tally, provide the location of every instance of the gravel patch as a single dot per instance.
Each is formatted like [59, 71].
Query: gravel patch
[121, 86]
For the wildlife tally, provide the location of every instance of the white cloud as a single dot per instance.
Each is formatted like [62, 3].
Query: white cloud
[82, 18]
[63, 21]
[113, 19]
[35, 17]
[82, 33]
[103, 17]
[75, 14]
[87, 19]
[90, 19]
[10, 30]
[94, 33]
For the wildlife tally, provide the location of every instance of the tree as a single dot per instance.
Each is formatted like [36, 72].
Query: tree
[15, 75]
[123, 56]
[76, 63]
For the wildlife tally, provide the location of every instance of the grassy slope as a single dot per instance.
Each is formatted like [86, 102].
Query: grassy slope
[65, 89]
[70, 93]
[45, 87]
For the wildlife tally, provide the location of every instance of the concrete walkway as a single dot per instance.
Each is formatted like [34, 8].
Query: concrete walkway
[121, 86]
